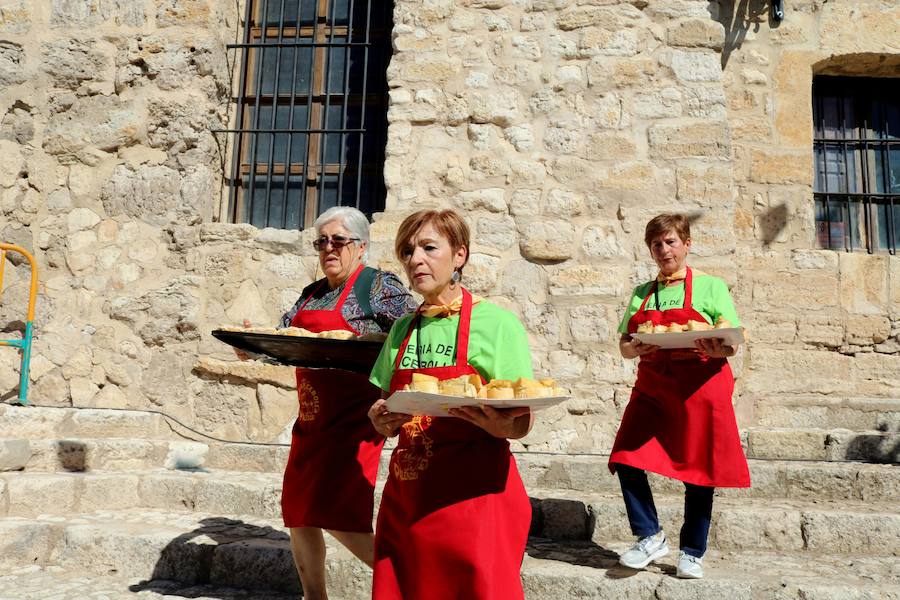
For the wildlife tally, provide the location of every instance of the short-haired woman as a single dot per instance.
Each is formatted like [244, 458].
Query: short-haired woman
[680, 421]
[454, 516]
[329, 481]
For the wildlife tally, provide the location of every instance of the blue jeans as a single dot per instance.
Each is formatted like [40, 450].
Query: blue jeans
[698, 501]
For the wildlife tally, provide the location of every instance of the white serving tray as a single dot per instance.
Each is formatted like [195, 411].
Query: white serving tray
[436, 405]
[733, 336]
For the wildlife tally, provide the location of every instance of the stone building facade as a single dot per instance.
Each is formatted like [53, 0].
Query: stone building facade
[558, 127]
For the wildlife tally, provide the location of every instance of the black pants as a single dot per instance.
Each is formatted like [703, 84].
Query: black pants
[698, 501]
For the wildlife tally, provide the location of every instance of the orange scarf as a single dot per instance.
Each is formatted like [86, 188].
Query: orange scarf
[446, 310]
[679, 275]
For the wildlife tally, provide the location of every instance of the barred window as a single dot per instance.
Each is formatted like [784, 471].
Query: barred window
[311, 110]
[857, 154]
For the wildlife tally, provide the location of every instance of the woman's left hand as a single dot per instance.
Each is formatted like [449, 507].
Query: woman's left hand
[499, 422]
[714, 348]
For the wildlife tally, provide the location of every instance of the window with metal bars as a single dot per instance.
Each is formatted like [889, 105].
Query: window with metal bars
[857, 155]
[311, 110]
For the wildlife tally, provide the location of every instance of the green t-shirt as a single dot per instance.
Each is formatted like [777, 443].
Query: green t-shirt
[498, 345]
[710, 298]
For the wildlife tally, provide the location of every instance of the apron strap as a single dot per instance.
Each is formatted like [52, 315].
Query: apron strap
[647, 297]
[688, 288]
[462, 333]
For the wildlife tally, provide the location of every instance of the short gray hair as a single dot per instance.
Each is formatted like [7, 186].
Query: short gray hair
[352, 219]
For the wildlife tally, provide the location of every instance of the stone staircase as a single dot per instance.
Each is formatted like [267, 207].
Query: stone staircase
[150, 514]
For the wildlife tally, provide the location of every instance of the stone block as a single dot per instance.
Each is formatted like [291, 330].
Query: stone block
[499, 107]
[24, 543]
[584, 280]
[109, 492]
[183, 13]
[799, 372]
[821, 483]
[879, 483]
[787, 444]
[549, 239]
[704, 184]
[694, 66]
[821, 329]
[872, 447]
[37, 494]
[523, 280]
[14, 454]
[770, 328]
[781, 167]
[848, 532]
[12, 64]
[594, 41]
[774, 530]
[256, 563]
[851, 29]
[702, 33]
[693, 140]
[590, 324]
[169, 491]
[866, 330]
[480, 273]
[605, 145]
[864, 283]
[489, 199]
[565, 519]
[239, 498]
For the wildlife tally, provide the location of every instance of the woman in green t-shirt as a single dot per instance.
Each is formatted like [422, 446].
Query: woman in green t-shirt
[680, 421]
[454, 515]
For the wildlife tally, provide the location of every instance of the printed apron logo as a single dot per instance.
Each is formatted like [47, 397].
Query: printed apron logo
[413, 459]
[309, 402]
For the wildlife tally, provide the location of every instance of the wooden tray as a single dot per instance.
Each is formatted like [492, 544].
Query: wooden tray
[436, 405]
[316, 353]
[733, 336]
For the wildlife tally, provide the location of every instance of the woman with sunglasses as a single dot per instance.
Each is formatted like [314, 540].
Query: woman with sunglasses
[329, 480]
[454, 516]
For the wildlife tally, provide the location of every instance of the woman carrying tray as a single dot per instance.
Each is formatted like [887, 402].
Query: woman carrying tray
[454, 516]
[329, 481]
[680, 421]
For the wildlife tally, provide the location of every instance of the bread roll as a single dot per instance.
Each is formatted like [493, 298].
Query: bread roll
[534, 392]
[675, 328]
[723, 323]
[645, 327]
[475, 380]
[698, 326]
[423, 377]
[660, 329]
[548, 382]
[500, 393]
[500, 383]
[429, 387]
[337, 334]
[524, 382]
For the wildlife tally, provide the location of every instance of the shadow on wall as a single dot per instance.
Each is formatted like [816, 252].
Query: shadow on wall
[772, 223]
[738, 16]
[881, 448]
[225, 552]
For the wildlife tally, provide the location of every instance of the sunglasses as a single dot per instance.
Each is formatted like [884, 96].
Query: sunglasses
[337, 242]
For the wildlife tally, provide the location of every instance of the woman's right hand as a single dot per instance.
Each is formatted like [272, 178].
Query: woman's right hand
[633, 348]
[385, 422]
[237, 351]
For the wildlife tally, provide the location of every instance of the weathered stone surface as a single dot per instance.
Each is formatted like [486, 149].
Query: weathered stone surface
[696, 66]
[12, 59]
[491, 199]
[864, 283]
[162, 316]
[547, 240]
[14, 454]
[685, 141]
[780, 167]
[74, 13]
[696, 32]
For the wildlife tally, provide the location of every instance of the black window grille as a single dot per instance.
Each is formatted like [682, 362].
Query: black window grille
[311, 110]
[857, 154]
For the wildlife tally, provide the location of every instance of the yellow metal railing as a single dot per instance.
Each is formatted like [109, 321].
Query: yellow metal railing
[24, 345]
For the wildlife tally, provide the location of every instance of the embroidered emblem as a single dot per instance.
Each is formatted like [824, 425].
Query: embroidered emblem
[309, 402]
[412, 457]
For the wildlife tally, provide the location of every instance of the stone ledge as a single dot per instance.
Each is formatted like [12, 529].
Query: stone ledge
[247, 371]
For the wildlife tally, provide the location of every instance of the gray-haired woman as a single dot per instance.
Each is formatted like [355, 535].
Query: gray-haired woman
[329, 480]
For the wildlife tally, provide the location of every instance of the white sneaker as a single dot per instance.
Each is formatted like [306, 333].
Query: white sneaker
[689, 567]
[645, 551]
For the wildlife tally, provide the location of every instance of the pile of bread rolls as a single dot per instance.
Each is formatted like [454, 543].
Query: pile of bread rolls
[649, 327]
[470, 386]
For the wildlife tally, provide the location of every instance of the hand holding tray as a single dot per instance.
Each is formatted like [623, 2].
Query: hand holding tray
[436, 405]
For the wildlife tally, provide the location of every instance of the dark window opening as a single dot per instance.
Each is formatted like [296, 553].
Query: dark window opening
[312, 110]
[857, 162]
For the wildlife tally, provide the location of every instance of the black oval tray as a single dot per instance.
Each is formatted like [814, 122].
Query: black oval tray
[316, 353]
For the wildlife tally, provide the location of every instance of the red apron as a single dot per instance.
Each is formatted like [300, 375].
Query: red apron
[329, 481]
[680, 421]
[454, 516]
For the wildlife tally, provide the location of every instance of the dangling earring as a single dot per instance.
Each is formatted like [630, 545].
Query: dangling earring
[454, 279]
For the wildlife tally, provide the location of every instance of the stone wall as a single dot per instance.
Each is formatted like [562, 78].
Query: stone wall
[558, 128]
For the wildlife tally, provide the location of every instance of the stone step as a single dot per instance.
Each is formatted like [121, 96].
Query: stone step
[110, 454]
[860, 414]
[559, 513]
[157, 552]
[52, 422]
[794, 480]
[738, 525]
[792, 443]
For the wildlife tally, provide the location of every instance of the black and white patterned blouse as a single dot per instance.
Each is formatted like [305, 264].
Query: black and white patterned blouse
[388, 297]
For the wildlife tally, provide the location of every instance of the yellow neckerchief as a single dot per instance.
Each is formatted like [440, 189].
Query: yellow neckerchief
[679, 275]
[446, 310]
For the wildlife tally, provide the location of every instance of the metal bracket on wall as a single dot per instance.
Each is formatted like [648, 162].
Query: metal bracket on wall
[778, 10]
